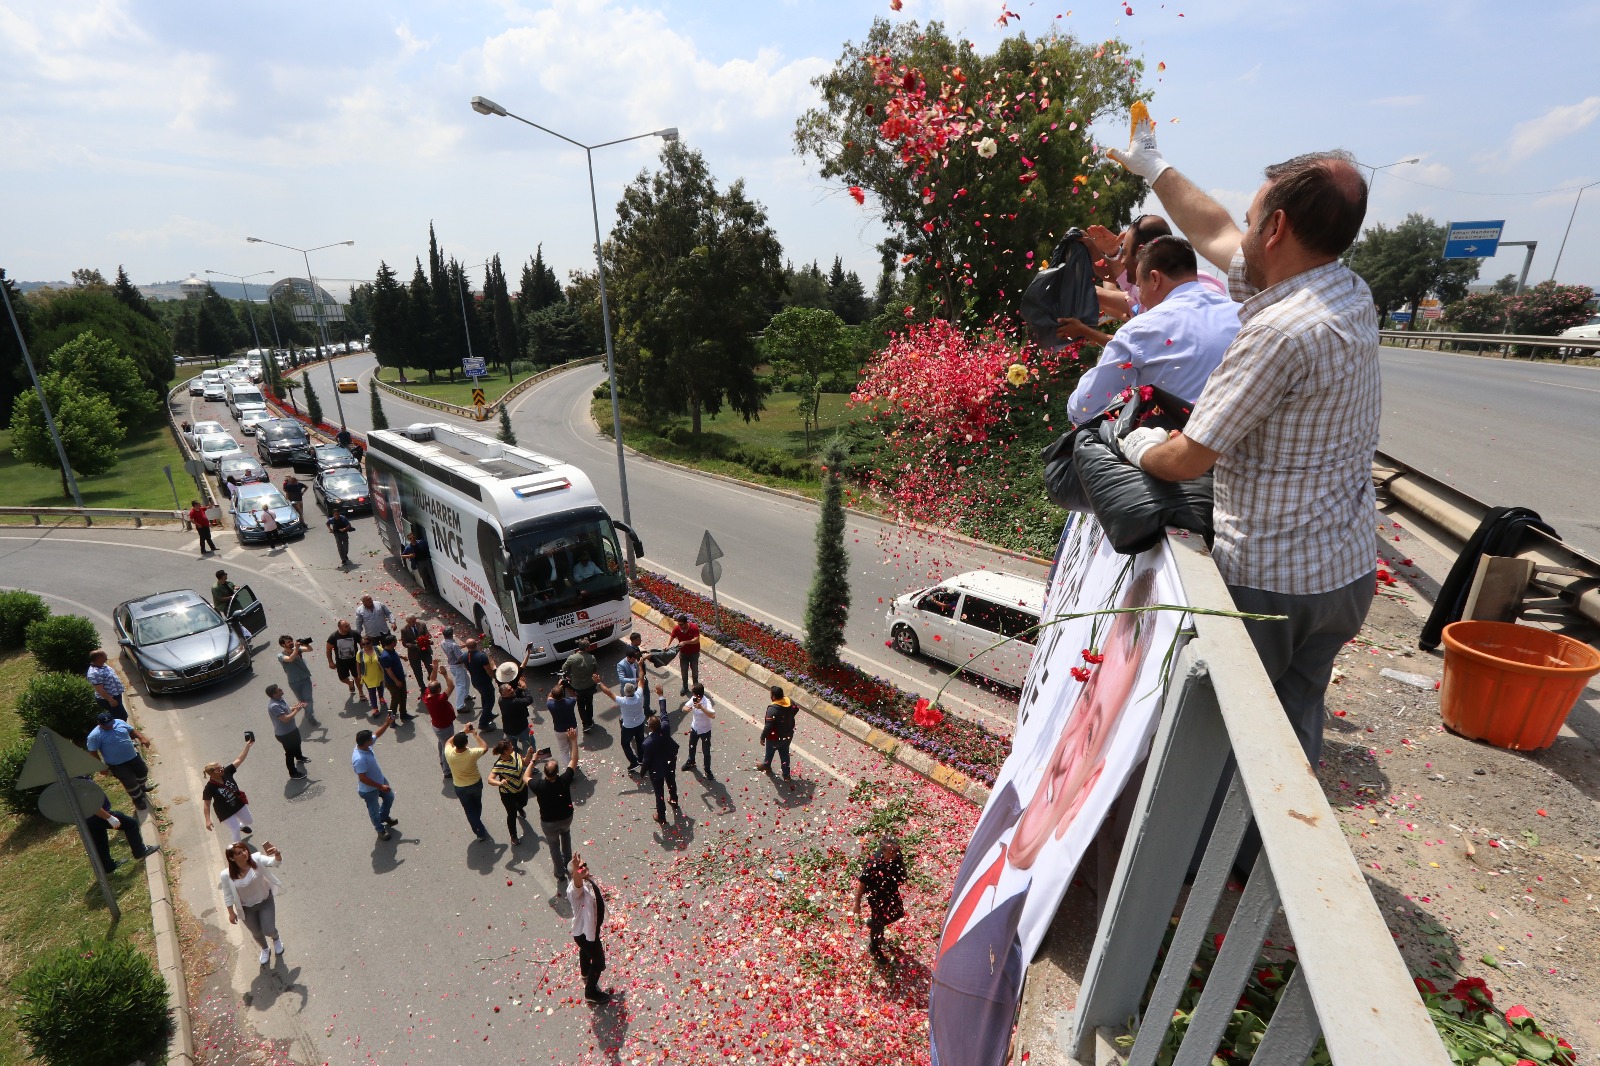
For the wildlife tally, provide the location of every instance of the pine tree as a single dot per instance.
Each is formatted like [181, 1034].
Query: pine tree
[379, 419]
[506, 433]
[828, 603]
[131, 297]
[505, 321]
[313, 405]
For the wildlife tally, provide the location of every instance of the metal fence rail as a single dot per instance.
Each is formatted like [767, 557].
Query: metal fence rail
[1222, 725]
[1564, 346]
[89, 514]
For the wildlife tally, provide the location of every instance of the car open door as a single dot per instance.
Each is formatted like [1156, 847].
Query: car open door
[247, 611]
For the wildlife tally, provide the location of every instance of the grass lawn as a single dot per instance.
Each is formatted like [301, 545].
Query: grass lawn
[48, 895]
[457, 392]
[780, 430]
[136, 481]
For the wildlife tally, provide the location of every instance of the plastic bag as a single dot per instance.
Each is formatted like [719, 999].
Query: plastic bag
[1133, 507]
[1065, 289]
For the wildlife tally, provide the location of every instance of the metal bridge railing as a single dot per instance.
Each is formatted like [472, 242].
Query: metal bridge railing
[1564, 347]
[1222, 725]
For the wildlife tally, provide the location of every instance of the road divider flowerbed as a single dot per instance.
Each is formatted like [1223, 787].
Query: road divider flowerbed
[955, 742]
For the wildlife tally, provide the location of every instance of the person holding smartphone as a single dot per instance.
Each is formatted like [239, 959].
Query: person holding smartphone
[222, 797]
[702, 712]
[286, 731]
[588, 904]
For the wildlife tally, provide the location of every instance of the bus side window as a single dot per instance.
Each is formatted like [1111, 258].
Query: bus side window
[612, 564]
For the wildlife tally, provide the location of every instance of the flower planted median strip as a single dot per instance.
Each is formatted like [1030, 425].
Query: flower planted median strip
[959, 744]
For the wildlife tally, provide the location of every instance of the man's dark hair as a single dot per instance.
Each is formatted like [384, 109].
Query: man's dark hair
[777, 692]
[1146, 228]
[1323, 196]
[461, 740]
[1173, 256]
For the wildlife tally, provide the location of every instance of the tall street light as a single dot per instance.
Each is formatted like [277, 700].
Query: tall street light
[316, 304]
[244, 280]
[484, 106]
[1374, 179]
[1564, 236]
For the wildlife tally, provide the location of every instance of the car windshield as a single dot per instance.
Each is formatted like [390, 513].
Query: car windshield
[184, 621]
[288, 434]
[216, 442]
[345, 483]
[240, 468]
[255, 501]
[332, 455]
[202, 428]
[559, 568]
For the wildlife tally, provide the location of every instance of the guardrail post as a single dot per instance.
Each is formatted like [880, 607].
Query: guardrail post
[1187, 759]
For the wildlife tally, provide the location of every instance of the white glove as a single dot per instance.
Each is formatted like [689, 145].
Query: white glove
[114, 822]
[1142, 156]
[1135, 444]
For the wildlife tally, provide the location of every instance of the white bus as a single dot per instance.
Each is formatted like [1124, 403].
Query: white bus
[519, 541]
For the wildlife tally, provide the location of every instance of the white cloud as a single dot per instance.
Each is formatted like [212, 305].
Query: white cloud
[410, 43]
[650, 76]
[1563, 121]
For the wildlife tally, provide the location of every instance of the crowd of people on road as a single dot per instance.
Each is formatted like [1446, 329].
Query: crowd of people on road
[371, 656]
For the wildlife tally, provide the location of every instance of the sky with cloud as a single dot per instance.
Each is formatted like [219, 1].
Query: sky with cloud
[160, 135]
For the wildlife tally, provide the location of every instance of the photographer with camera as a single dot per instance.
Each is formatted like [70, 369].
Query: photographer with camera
[292, 657]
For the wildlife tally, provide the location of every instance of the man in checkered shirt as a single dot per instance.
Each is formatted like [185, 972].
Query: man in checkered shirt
[1289, 419]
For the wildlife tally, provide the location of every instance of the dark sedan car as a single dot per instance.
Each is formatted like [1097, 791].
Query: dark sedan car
[342, 489]
[332, 457]
[244, 469]
[283, 440]
[177, 640]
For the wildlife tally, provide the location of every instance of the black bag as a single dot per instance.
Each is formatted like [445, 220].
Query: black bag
[1133, 507]
[663, 656]
[1063, 290]
[1061, 480]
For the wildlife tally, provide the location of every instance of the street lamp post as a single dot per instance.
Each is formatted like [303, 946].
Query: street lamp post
[1576, 200]
[1374, 179]
[244, 280]
[484, 106]
[316, 304]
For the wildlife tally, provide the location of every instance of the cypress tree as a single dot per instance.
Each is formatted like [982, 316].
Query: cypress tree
[828, 603]
[505, 433]
[313, 405]
[379, 419]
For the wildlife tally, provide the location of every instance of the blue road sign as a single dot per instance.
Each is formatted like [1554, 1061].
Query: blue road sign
[474, 367]
[1473, 240]
[1400, 317]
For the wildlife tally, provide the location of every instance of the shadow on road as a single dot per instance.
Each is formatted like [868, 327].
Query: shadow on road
[677, 834]
[386, 853]
[298, 790]
[484, 855]
[610, 1023]
[274, 981]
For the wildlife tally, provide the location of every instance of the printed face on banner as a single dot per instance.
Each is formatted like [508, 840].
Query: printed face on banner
[1085, 720]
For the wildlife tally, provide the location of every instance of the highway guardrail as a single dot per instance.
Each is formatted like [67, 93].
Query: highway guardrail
[1564, 346]
[471, 413]
[89, 514]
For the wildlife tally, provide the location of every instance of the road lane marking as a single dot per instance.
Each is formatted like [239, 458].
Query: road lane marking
[1560, 385]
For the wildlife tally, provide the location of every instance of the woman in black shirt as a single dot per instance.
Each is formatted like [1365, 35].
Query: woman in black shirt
[222, 797]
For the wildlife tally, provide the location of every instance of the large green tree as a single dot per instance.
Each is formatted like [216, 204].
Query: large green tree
[97, 309]
[131, 298]
[390, 318]
[92, 364]
[808, 346]
[1404, 264]
[13, 372]
[421, 349]
[695, 271]
[847, 297]
[217, 327]
[85, 419]
[976, 161]
[502, 318]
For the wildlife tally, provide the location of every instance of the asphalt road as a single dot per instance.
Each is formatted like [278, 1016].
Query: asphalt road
[768, 539]
[1507, 432]
[431, 947]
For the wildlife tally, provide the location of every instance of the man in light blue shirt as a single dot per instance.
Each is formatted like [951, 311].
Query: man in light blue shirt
[371, 785]
[1174, 344]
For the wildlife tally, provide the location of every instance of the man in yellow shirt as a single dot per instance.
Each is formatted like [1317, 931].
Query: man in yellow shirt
[462, 754]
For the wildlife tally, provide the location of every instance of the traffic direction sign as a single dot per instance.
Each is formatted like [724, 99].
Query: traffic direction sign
[475, 367]
[1400, 317]
[1473, 240]
[709, 551]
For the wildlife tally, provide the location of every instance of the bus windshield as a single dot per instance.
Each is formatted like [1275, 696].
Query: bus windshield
[565, 566]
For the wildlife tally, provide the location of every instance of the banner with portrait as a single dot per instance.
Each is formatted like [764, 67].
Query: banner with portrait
[1094, 691]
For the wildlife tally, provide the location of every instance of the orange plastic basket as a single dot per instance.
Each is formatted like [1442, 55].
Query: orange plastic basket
[1511, 685]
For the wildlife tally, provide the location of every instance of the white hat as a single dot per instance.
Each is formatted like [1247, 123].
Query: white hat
[506, 673]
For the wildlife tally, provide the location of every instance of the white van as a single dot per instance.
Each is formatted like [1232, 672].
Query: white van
[243, 394]
[961, 616]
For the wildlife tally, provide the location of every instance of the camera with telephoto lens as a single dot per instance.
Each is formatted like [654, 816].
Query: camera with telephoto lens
[306, 642]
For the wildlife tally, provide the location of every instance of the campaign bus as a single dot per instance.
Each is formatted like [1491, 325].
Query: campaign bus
[519, 542]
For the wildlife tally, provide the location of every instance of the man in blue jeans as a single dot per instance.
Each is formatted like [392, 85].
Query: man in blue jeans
[371, 785]
[702, 712]
[778, 731]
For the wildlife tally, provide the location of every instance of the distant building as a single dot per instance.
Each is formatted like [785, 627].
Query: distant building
[192, 287]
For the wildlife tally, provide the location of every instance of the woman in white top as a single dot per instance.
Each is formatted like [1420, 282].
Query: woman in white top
[249, 887]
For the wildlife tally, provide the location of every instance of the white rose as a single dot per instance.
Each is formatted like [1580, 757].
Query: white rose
[987, 148]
